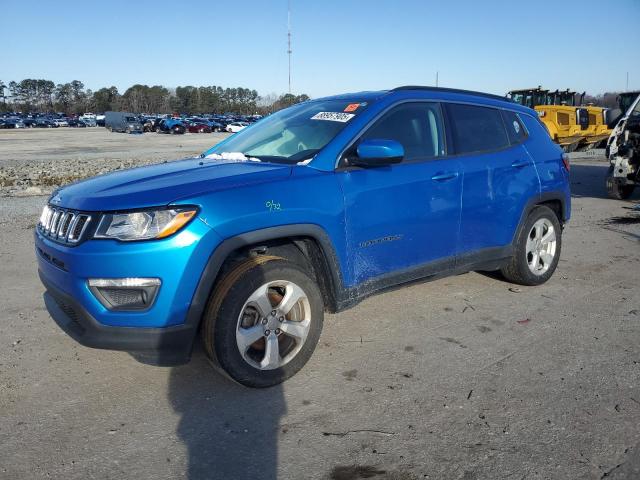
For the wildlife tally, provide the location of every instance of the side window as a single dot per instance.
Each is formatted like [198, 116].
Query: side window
[417, 126]
[515, 129]
[476, 129]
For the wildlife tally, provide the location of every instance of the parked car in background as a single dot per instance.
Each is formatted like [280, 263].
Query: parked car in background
[61, 122]
[171, 125]
[122, 122]
[150, 124]
[12, 123]
[198, 127]
[100, 120]
[88, 121]
[77, 123]
[214, 125]
[235, 127]
[29, 122]
[45, 123]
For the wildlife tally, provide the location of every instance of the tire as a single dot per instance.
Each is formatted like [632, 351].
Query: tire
[127, 130]
[535, 260]
[229, 307]
[616, 190]
[158, 130]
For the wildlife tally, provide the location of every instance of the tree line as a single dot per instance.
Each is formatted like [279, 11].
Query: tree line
[39, 95]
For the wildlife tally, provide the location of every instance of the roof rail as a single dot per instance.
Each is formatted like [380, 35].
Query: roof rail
[451, 90]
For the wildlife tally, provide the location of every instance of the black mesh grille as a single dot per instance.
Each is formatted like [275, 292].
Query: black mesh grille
[122, 297]
[79, 226]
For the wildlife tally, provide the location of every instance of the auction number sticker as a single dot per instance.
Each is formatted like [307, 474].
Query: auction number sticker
[333, 116]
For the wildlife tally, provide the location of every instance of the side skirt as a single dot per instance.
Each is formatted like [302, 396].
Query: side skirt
[487, 259]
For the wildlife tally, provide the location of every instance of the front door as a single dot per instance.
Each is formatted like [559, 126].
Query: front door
[406, 215]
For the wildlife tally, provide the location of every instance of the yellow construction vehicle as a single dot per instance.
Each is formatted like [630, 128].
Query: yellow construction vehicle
[567, 123]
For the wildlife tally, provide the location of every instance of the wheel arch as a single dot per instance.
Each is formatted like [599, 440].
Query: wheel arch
[553, 200]
[307, 243]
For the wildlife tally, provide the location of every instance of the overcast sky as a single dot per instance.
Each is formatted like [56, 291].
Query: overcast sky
[338, 45]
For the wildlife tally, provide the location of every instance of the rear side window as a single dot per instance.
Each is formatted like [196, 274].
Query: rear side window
[476, 129]
[515, 129]
[417, 126]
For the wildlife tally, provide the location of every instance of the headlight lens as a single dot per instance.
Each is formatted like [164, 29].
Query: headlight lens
[143, 225]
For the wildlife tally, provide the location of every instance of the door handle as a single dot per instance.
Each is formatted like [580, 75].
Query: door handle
[521, 163]
[444, 176]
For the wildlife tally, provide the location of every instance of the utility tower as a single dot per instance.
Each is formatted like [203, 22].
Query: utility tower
[289, 39]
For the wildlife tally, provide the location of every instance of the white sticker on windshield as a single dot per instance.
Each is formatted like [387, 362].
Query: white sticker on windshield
[333, 116]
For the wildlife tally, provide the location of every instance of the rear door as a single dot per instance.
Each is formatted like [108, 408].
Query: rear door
[499, 177]
[402, 216]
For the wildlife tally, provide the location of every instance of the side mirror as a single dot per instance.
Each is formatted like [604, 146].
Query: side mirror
[378, 153]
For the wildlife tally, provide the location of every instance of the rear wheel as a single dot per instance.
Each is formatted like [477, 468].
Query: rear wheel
[537, 249]
[263, 321]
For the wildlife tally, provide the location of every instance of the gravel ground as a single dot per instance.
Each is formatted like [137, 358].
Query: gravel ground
[468, 377]
[34, 161]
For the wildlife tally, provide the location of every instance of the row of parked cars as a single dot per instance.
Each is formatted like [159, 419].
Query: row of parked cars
[132, 123]
[47, 121]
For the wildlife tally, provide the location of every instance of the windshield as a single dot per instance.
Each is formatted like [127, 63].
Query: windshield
[294, 134]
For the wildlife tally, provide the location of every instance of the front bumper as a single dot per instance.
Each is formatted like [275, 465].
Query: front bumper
[163, 333]
[158, 346]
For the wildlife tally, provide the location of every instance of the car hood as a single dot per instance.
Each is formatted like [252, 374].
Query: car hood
[162, 184]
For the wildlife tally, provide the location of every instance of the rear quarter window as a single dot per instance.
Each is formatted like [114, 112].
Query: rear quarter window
[476, 129]
[515, 128]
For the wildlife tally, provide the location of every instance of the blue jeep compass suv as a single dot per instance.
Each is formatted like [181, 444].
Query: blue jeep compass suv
[309, 210]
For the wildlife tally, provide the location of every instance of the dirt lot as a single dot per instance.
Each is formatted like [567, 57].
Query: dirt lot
[467, 377]
[35, 160]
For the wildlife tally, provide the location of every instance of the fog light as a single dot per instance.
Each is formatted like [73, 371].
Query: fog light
[125, 293]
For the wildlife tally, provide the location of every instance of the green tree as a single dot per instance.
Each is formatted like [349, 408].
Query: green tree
[105, 99]
[64, 96]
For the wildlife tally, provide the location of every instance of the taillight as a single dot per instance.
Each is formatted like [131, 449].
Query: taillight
[565, 161]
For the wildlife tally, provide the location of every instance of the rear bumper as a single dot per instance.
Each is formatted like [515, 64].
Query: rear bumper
[158, 346]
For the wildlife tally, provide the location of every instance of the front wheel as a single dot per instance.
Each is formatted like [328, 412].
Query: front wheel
[263, 321]
[537, 249]
[616, 190]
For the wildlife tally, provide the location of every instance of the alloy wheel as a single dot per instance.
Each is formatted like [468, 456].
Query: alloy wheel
[541, 246]
[273, 325]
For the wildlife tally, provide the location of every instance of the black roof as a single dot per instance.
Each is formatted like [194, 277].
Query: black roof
[451, 90]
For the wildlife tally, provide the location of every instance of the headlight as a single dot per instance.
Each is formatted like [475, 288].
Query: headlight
[143, 225]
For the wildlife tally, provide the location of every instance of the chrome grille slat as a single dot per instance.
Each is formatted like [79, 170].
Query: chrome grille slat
[72, 219]
[63, 225]
[72, 228]
[54, 222]
[61, 221]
